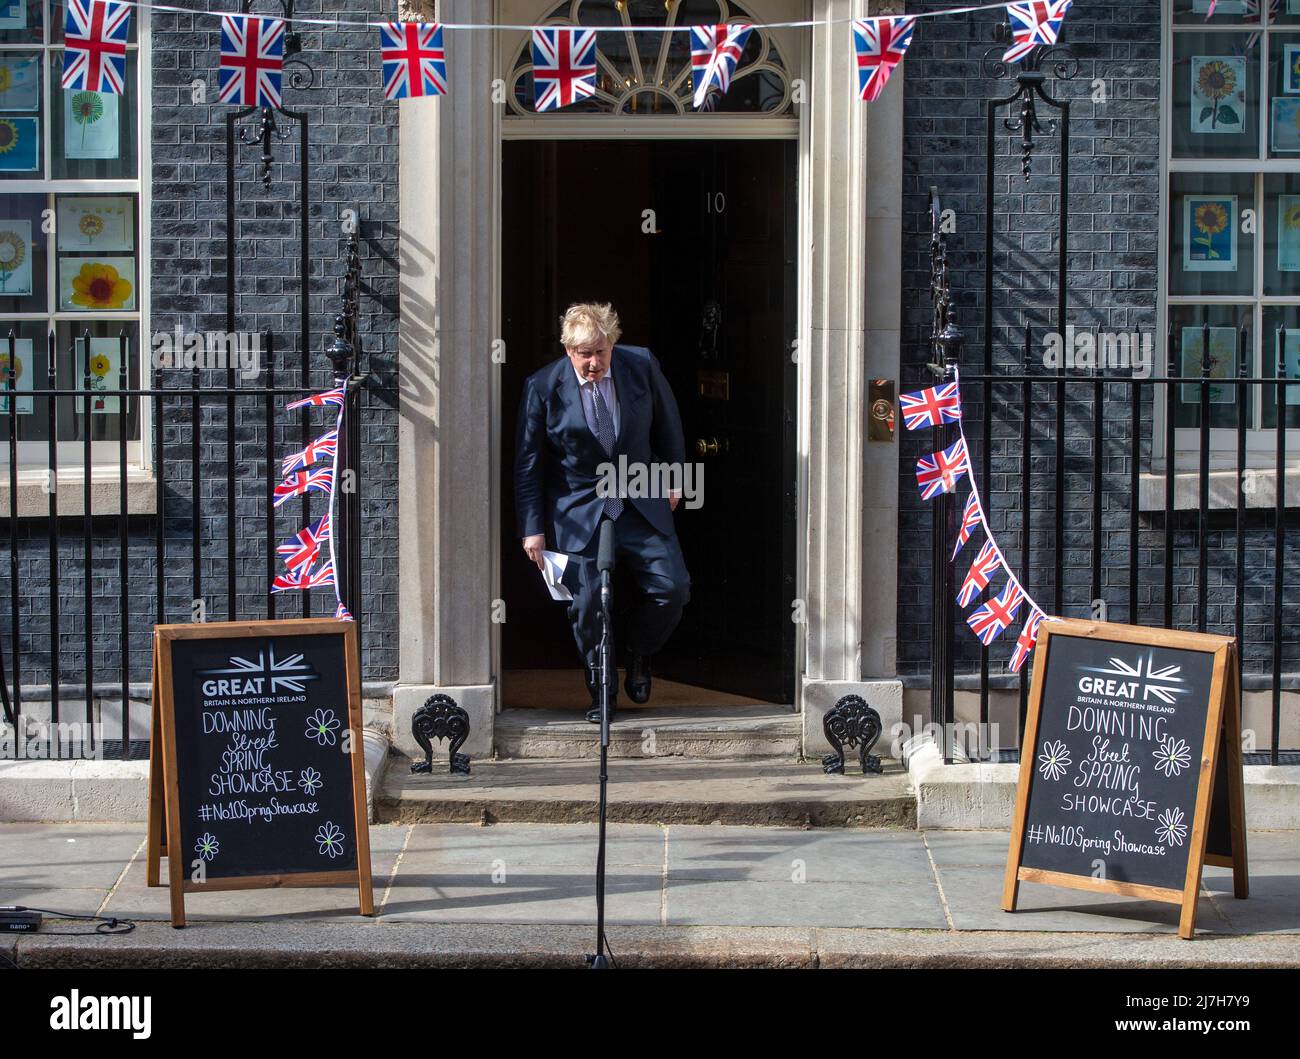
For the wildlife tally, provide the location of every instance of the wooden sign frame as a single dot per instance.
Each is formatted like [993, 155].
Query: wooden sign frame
[164, 783]
[1222, 738]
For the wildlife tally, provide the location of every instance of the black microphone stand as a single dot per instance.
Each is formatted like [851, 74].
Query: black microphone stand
[600, 960]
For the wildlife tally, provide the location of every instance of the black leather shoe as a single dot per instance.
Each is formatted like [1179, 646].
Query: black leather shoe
[593, 688]
[637, 683]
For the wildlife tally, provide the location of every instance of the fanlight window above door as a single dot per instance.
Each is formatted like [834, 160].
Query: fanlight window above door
[650, 73]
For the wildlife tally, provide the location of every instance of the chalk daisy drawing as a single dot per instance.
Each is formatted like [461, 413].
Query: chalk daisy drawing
[1054, 761]
[329, 837]
[207, 846]
[320, 727]
[1172, 756]
[1172, 830]
[310, 782]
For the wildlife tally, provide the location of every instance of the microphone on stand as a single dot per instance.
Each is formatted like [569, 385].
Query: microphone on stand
[604, 564]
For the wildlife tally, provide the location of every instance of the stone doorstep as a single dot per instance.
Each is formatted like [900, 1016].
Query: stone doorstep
[763, 792]
[966, 796]
[724, 733]
[109, 791]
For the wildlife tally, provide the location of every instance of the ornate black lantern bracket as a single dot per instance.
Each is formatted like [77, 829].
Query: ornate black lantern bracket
[852, 723]
[1030, 89]
[440, 718]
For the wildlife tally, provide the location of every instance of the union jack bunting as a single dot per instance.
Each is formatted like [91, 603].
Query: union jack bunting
[1035, 23]
[879, 44]
[304, 482]
[94, 37]
[988, 622]
[564, 66]
[715, 53]
[252, 61]
[300, 550]
[929, 408]
[318, 400]
[1025, 641]
[939, 472]
[970, 520]
[325, 445]
[415, 62]
[304, 579]
[986, 564]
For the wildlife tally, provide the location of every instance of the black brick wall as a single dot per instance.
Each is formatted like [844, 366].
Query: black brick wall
[1112, 261]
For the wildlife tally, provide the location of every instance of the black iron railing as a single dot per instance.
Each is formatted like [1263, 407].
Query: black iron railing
[176, 537]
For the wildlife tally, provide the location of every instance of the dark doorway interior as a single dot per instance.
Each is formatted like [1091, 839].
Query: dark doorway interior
[707, 281]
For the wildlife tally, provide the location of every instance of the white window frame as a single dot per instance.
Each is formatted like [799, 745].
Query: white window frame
[33, 456]
[1260, 442]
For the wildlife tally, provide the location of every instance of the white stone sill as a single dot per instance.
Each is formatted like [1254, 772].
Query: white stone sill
[34, 497]
[1262, 493]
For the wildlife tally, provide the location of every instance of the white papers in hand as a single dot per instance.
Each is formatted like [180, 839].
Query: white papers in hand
[553, 565]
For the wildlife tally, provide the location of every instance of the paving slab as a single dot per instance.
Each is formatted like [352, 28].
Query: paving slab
[135, 899]
[1273, 907]
[693, 902]
[968, 849]
[73, 856]
[974, 900]
[516, 847]
[784, 854]
[651, 790]
[425, 891]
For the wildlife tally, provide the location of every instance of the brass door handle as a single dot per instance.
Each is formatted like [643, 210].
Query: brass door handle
[708, 447]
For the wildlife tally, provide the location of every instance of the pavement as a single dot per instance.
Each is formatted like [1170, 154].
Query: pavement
[521, 894]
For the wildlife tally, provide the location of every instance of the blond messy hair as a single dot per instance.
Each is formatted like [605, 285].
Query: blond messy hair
[584, 322]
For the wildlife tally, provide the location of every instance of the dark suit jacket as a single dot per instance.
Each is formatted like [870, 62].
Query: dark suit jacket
[557, 458]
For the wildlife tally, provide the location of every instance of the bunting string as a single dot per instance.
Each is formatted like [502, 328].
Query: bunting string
[940, 472]
[564, 56]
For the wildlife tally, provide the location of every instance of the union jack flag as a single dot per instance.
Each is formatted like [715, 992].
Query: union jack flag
[415, 62]
[1034, 23]
[986, 564]
[564, 66]
[252, 61]
[939, 472]
[880, 44]
[929, 408]
[305, 578]
[715, 53]
[325, 445]
[94, 36]
[300, 550]
[341, 613]
[988, 622]
[970, 519]
[304, 482]
[318, 400]
[1025, 641]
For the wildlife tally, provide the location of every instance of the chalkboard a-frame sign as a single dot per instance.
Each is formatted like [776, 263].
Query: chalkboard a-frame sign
[1131, 771]
[257, 768]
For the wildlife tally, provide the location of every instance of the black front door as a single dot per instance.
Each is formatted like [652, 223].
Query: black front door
[693, 242]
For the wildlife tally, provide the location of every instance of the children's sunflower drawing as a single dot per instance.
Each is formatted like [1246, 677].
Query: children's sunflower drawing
[1216, 82]
[87, 108]
[8, 135]
[1210, 219]
[13, 251]
[100, 286]
[90, 226]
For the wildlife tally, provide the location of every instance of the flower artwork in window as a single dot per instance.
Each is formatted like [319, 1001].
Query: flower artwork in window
[1210, 233]
[1288, 350]
[1223, 358]
[1218, 94]
[89, 284]
[20, 141]
[1288, 233]
[90, 125]
[1291, 69]
[96, 223]
[13, 14]
[15, 257]
[1286, 124]
[105, 367]
[22, 376]
[20, 82]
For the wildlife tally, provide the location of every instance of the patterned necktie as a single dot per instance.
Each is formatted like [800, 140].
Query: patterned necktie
[605, 435]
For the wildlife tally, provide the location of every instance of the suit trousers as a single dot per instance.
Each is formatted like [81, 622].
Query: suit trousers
[663, 587]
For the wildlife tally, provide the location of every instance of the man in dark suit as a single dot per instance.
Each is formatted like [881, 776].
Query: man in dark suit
[599, 407]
